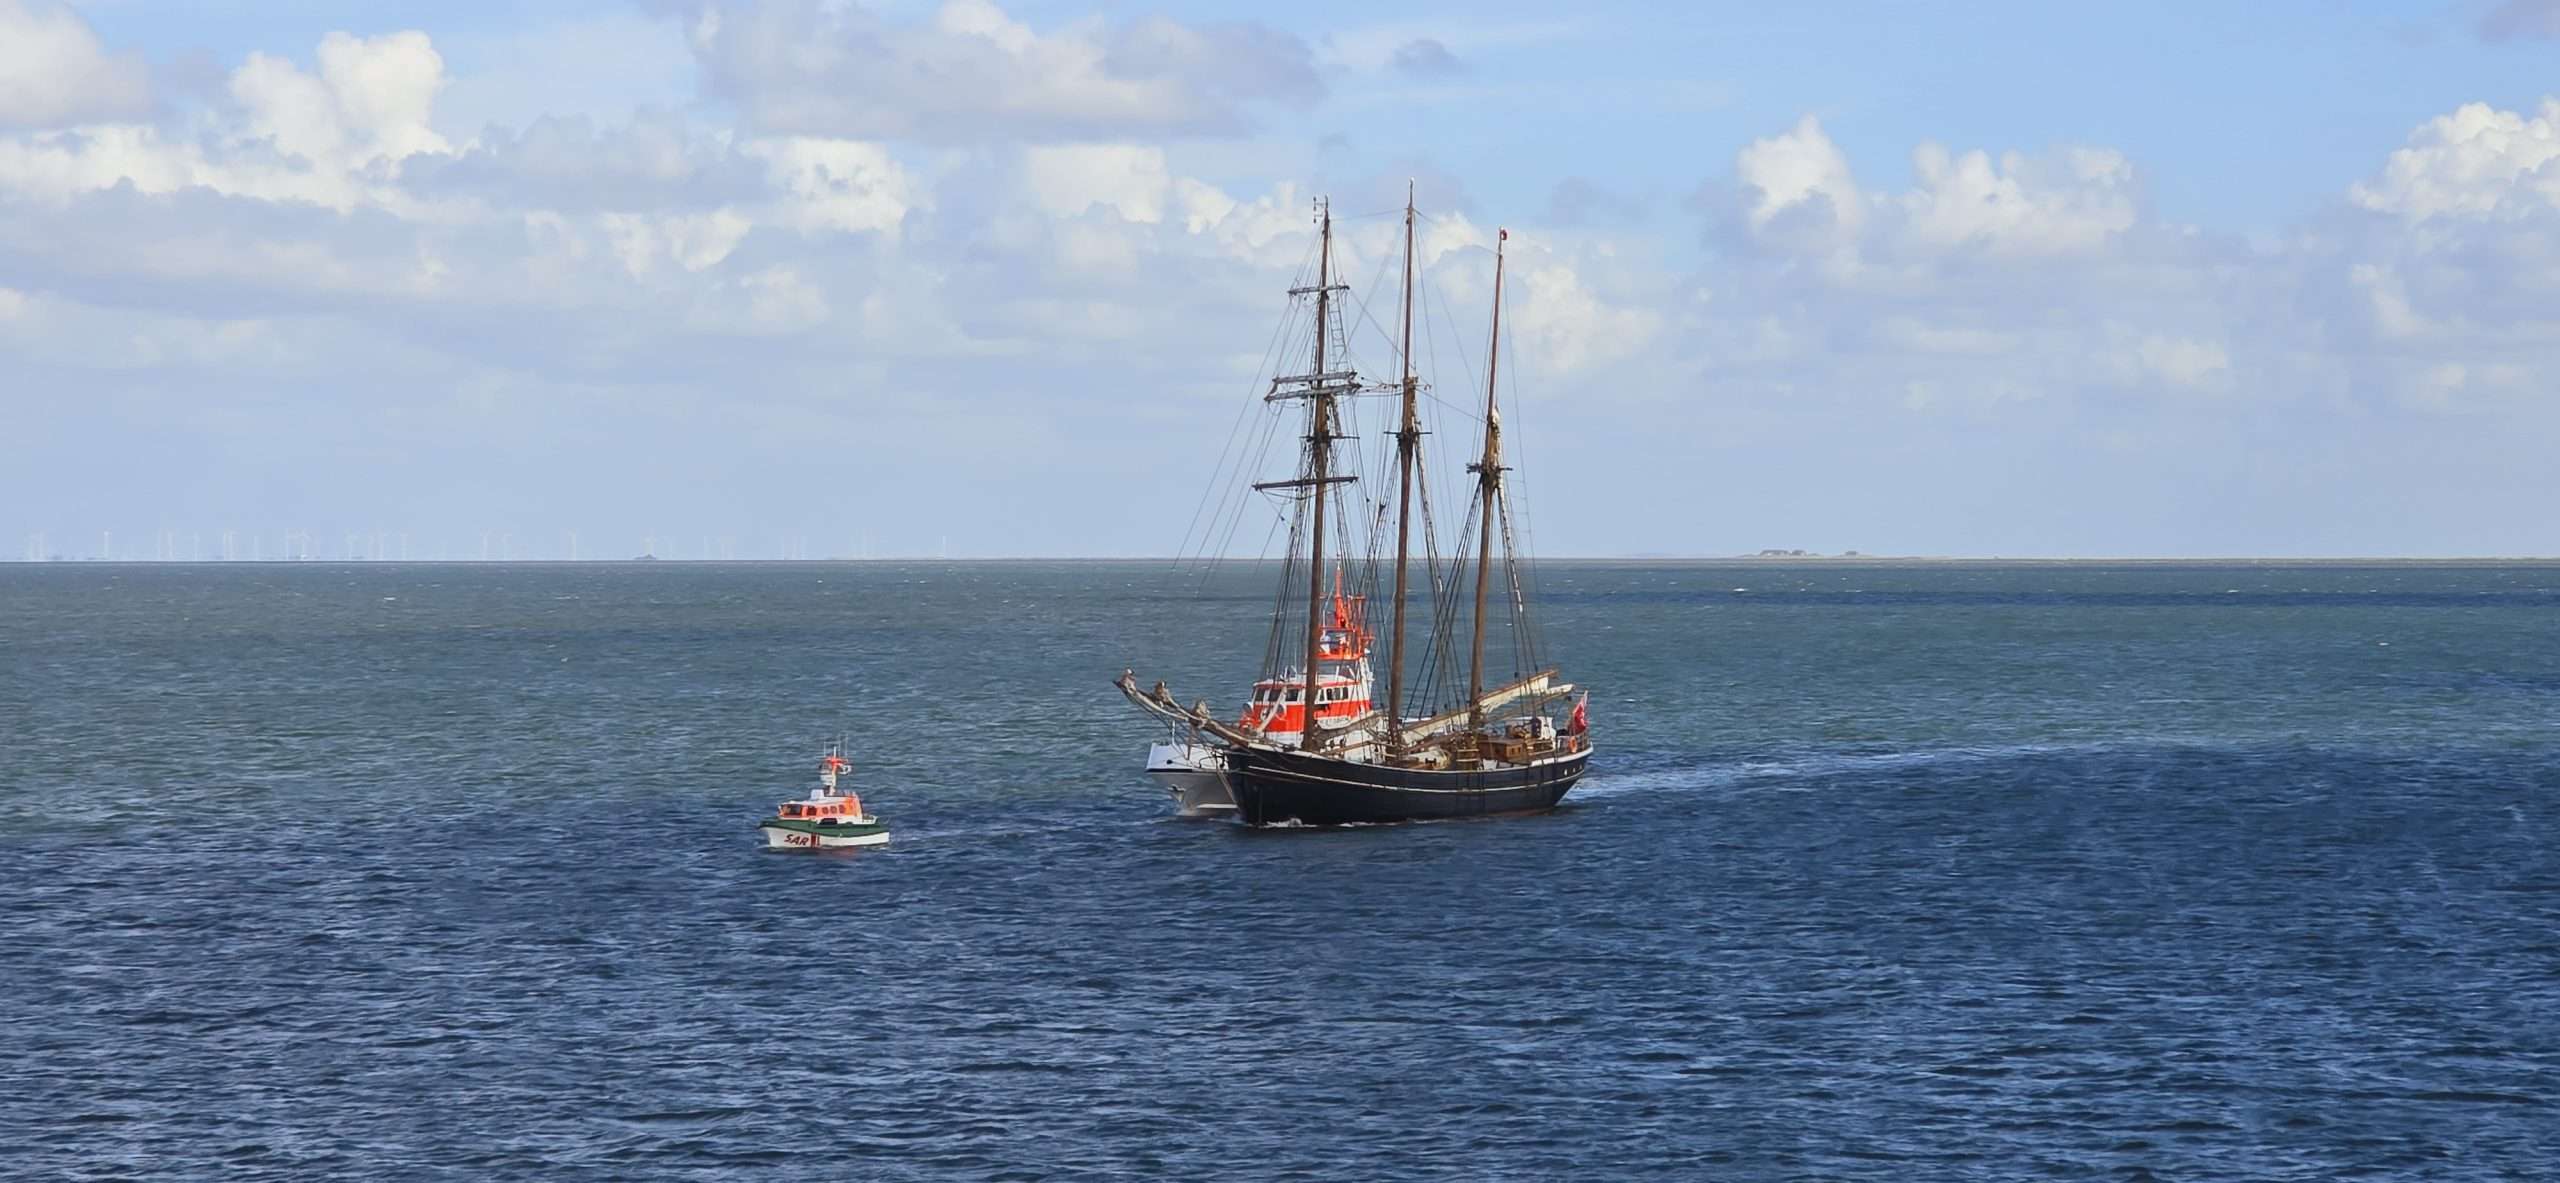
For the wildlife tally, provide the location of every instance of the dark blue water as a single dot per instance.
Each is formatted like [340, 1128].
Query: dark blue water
[1892, 873]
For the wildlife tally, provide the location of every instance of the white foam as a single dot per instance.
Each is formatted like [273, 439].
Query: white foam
[1776, 773]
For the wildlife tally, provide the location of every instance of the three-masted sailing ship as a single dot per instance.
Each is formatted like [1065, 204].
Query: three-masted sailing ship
[1454, 737]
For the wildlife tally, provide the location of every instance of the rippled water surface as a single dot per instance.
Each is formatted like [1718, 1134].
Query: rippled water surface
[1882, 872]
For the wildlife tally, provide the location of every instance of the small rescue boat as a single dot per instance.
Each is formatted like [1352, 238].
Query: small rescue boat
[829, 817]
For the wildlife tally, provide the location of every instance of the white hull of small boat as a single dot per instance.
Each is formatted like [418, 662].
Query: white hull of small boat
[790, 838]
[1196, 776]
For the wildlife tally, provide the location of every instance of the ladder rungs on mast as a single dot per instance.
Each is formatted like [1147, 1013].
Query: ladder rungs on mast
[1327, 376]
[1312, 389]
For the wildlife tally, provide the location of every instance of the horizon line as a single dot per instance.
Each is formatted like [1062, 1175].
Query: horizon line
[1774, 560]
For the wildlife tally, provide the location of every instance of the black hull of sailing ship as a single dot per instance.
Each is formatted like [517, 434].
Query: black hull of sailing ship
[1281, 788]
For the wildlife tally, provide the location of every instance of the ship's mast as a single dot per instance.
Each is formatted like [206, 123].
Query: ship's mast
[1408, 441]
[1320, 446]
[1489, 482]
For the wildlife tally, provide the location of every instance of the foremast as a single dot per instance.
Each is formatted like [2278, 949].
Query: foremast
[1320, 388]
[1320, 447]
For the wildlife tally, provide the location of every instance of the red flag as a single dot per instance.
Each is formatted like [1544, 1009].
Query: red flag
[1581, 720]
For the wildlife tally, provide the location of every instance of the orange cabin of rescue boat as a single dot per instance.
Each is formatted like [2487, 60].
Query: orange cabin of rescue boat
[845, 806]
[1342, 683]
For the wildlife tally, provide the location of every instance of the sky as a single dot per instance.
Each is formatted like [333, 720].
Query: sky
[817, 277]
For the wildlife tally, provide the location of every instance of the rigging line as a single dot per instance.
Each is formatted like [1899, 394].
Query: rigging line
[1265, 556]
[1431, 345]
[1435, 418]
[1430, 530]
[1217, 477]
[1524, 639]
[1463, 412]
[1458, 343]
[1218, 482]
[1445, 656]
[1366, 318]
[1282, 619]
[1522, 628]
[1235, 521]
[1273, 531]
[1269, 533]
[1365, 301]
[1430, 668]
[1231, 504]
[1431, 327]
[1241, 499]
[1255, 456]
[1449, 590]
[1393, 349]
[1453, 220]
[1437, 412]
[1528, 549]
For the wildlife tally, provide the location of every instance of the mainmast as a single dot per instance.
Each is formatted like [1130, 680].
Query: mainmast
[1489, 481]
[1408, 442]
[1320, 444]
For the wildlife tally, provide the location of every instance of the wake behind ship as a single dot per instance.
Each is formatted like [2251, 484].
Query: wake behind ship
[1475, 749]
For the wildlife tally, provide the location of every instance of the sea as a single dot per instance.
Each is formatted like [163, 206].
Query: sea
[1882, 871]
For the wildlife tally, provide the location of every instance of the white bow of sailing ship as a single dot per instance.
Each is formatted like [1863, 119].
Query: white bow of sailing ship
[1471, 750]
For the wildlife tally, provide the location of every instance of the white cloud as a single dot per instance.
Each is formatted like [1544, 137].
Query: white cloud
[2434, 283]
[333, 139]
[1067, 180]
[2437, 384]
[1801, 169]
[373, 99]
[2451, 266]
[1564, 321]
[971, 72]
[653, 160]
[1915, 334]
[780, 301]
[1438, 237]
[2071, 203]
[690, 241]
[1802, 197]
[602, 66]
[2182, 362]
[1397, 45]
[844, 185]
[318, 215]
[54, 72]
[2476, 161]
[58, 165]
[2387, 300]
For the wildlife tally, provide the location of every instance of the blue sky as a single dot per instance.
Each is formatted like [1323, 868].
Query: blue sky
[2021, 279]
